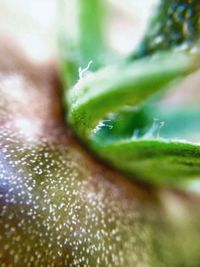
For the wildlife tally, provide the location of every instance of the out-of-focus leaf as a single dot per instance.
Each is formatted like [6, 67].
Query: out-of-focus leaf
[175, 25]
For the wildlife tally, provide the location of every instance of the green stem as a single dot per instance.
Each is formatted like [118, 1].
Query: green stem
[81, 37]
[91, 32]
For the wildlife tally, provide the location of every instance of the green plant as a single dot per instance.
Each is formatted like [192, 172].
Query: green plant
[110, 108]
[61, 207]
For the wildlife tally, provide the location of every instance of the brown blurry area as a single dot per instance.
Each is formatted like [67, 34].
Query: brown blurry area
[28, 95]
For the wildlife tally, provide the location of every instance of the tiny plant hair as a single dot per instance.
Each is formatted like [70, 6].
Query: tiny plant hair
[107, 104]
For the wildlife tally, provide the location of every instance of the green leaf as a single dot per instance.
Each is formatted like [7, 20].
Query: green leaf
[127, 84]
[157, 161]
[84, 42]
